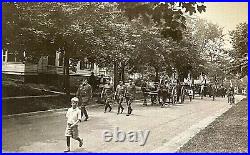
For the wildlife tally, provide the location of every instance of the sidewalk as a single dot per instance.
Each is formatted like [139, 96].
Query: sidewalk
[228, 133]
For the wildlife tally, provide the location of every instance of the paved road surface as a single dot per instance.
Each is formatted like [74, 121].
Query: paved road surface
[170, 128]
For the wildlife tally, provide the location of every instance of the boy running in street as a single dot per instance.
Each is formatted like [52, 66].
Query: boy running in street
[73, 116]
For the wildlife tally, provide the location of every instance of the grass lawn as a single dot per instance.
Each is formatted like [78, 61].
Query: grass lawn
[13, 89]
[228, 133]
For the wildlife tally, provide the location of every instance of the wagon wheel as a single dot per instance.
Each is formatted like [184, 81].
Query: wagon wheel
[173, 95]
[182, 94]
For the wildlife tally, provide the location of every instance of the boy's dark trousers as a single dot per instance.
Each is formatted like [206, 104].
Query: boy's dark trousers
[68, 142]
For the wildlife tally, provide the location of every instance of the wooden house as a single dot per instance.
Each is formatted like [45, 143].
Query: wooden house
[49, 69]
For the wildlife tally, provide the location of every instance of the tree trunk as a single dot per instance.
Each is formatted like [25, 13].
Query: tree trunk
[156, 74]
[115, 74]
[142, 71]
[123, 72]
[67, 77]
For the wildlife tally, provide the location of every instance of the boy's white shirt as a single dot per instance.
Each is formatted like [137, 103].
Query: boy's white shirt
[73, 115]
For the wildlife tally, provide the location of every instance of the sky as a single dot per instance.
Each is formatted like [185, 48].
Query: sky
[226, 15]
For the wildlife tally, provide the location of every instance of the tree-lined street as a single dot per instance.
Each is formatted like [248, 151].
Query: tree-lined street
[57, 55]
[169, 127]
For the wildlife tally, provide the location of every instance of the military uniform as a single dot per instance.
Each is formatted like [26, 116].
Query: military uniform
[84, 94]
[154, 93]
[130, 92]
[107, 96]
[144, 92]
[164, 93]
[178, 89]
[120, 91]
[230, 95]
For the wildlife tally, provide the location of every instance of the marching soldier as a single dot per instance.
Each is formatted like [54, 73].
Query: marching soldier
[144, 91]
[164, 93]
[107, 95]
[178, 88]
[130, 93]
[119, 95]
[230, 94]
[154, 93]
[84, 93]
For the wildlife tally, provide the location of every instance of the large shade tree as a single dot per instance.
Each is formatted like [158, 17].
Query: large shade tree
[239, 54]
[101, 32]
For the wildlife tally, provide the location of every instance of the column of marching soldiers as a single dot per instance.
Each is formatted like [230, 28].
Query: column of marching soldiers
[173, 90]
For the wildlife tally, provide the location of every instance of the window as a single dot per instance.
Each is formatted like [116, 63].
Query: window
[86, 65]
[4, 55]
[61, 59]
[11, 57]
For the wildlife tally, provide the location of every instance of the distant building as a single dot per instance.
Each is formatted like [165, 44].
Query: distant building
[49, 69]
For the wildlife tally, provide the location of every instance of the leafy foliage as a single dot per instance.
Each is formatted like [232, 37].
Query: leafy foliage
[170, 17]
[239, 54]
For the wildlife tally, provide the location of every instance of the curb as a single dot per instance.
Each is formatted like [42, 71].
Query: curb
[48, 111]
[43, 112]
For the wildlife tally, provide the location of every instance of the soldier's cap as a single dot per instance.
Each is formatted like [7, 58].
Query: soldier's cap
[74, 99]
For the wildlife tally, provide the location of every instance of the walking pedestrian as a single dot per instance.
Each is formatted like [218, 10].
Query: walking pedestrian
[84, 93]
[119, 95]
[107, 95]
[144, 91]
[154, 93]
[130, 94]
[73, 116]
[101, 83]
[178, 89]
[190, 93]
[93, 82]
[230, 95]
[164, 93]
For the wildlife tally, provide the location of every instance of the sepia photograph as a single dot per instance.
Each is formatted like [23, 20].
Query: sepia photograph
[132, 77]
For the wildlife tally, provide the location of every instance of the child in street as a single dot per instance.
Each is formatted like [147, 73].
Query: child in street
[73, 116]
